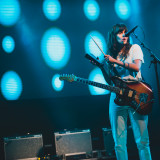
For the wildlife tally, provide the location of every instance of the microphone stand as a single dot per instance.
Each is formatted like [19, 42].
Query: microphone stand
[154, 60]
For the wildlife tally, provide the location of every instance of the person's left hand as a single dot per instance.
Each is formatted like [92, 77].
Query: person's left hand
[109, 59]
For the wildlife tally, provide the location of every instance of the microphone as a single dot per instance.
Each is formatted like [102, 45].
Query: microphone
[128, 33]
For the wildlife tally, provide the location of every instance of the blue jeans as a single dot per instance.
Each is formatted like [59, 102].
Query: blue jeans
[118, 119]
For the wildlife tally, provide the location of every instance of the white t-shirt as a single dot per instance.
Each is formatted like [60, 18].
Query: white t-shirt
[135, 52]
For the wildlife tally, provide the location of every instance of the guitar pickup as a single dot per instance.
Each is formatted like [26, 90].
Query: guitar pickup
[126, 92]
[130, 93]
[121, 91]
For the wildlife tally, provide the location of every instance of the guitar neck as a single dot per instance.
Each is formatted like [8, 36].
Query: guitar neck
[100, 85]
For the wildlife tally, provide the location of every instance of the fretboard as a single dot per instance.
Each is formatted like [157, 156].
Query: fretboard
[100, 85]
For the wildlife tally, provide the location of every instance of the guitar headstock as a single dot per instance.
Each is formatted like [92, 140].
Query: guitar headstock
[94, 60]
[68, 77]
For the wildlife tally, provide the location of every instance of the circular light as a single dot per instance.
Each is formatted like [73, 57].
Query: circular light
[11, 85]
[122, 8]
[97, 76]
[9, 12]
[52, 9]
[91, 9]
[56, 83]
[91, 47]
[8, 44]
[55, 48]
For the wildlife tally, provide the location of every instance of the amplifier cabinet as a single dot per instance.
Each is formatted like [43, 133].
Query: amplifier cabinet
[109, 142]
[73, 142]
[23, 147]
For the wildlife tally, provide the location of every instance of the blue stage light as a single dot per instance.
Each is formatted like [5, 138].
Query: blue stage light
[97, 76]
[8, 44]
[11, 85]
[56, 83]
[55, 48]
[52, 9]
[91, 9]
[91, 47]
[9, 12]
[122, 8]
[130, 40]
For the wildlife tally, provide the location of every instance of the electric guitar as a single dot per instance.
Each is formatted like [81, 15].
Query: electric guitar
[136, 94]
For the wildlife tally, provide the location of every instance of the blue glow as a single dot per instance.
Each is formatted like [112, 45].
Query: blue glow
[55, 48]
[9, 12]
[130, 40]
[135, 4]
[11, 85]
[56, 83]
[97, 76]
[122, 8]
[91, 47]
[52, 9]
[8, 44]
[91, 9]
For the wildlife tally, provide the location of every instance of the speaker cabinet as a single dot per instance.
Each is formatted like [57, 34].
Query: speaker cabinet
[109, 142]
[73, 142]
[23, 147]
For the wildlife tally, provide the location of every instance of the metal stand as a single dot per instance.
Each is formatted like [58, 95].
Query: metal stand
[154, 60]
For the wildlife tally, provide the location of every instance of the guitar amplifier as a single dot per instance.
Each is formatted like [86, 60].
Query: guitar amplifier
[109, 142]
[23, 147]
[73, 142]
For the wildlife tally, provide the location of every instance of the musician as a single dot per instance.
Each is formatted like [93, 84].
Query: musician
[124, 60]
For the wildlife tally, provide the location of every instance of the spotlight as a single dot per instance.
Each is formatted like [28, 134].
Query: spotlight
[97, 76]
[8, 44]
[56, 83]
[122, 8]
[91, 47]
[11, 85]
[91, 9]
[55, 48]
[9, 12]
[52, 9]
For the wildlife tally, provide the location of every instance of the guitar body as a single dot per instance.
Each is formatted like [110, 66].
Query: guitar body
[136, 94]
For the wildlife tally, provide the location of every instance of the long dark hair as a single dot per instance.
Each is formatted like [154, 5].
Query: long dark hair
[112, 45]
